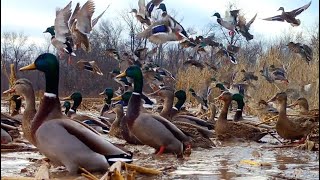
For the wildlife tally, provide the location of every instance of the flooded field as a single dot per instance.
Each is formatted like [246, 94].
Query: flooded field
[228, 160]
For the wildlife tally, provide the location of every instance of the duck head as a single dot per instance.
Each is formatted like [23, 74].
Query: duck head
[77, 99]
[125, 97]
[66, 105]
[134, 72]
[21, 87]
[303, 102]
[49, 65]
[181, 96]
[281, 9]
[279, 97]
[50, 30]
[109, 93]
[217, 15]
[225, 96]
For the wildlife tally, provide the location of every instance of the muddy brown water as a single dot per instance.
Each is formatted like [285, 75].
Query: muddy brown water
[228, 160]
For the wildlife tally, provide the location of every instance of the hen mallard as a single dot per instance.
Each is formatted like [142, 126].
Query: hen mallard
[150, 129]
[229, 129]
[90, 66]
[292, 128]
[199, 135]
[115, 128]
[265, 111]
[248, 76]
[24, 88]
[304, 50]
[290, 16]
[142, 14]
[304, 108]
[274, 75]
[63, 141]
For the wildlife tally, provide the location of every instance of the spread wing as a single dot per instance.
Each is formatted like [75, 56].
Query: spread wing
[142, 8]
[274, 18]
[296, 12]
[251, 21]
[84, 16]
[74, 14]
[95, 20]
[61, 23]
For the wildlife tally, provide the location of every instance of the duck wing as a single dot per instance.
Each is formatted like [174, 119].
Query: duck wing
[172, 128]
[74, 15]
[251, 21]
[142, 8]
[84, 15]
[275, 18]
[95, 20]
[299, 10]
[61, 26]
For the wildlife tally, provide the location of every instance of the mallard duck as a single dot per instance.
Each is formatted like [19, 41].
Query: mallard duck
[239, 99]
[265, 111]
[226, 23]
[274, 75]
[223, 52]
[90, 66]
[304, 50]
[304, 108]
[164, 30]
[142, 14]
[24, 88]
[5, 137]
[290, 16]
[248, 76]
[229, 129]
[157, 132]
[292, 128]
[243, 27]
[115, 128]
[17, 100]
[94, 122]
[60, 139]
[199, 135]
[108, 92]
[61, 37]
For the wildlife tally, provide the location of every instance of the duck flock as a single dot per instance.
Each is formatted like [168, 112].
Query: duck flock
[73, 140]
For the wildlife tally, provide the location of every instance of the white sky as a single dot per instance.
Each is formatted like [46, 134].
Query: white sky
[34, 16]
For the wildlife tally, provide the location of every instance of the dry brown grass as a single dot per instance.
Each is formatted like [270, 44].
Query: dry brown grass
[298, 73]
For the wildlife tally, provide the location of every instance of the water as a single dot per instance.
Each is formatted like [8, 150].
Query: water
[229, 160]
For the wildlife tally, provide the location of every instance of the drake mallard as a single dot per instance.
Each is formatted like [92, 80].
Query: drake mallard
[290, 16]
[304, 108]
[157, 131]
[64, 141]
[292, 128]
[304, 50]
[199, 135]
[72, 113]
[24, 88]
[90, 66]
[229, 129]
[164, 30]
[108, 92]
[228, 22]
[243, 27]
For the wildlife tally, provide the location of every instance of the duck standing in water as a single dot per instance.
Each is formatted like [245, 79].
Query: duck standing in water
[64, 141]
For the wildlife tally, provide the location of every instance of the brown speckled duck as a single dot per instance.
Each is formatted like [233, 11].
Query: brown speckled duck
[199, 135]
[64, 141]
[292, 128]
[24, 88]
[304, 108]
[229, 129]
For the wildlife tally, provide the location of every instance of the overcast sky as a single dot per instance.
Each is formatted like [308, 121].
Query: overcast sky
[34, 16]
